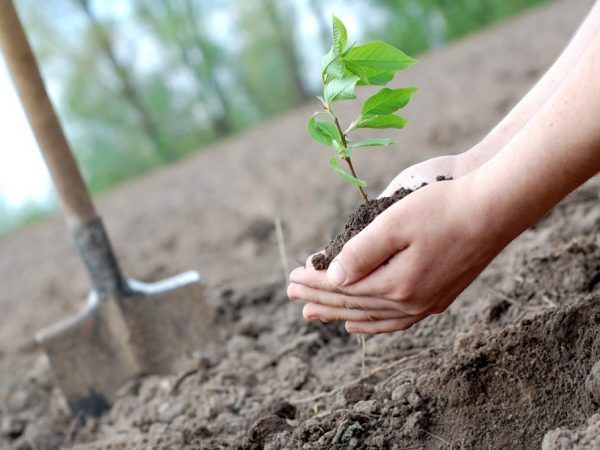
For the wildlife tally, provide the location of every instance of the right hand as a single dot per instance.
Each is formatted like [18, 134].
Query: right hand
[450, 166]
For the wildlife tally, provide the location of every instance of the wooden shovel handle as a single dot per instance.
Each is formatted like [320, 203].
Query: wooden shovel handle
[74, 197]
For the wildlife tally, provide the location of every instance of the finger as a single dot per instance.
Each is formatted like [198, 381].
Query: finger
[309, 264]
[383, 326]
[314, 311]
[395, 184]
[308, 276]
[366, 251]
[395, 280]
[337, 300]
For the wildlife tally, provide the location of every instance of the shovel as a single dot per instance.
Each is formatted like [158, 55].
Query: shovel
[127, 328]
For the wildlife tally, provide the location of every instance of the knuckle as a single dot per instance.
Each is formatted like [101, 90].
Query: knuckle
[403, 293]
[347, 303]
[389, 237]
[414, 309]
[371, 317]
[350, 254]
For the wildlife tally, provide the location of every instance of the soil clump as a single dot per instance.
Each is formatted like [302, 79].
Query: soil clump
[358, 221]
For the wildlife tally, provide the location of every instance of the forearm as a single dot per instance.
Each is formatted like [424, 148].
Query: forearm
[555, 152]
[526, 109]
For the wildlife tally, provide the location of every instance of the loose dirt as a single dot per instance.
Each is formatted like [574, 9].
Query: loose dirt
[512, 364]
[358, 221]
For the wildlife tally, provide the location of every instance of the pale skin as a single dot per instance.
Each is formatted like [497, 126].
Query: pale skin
[420, 254]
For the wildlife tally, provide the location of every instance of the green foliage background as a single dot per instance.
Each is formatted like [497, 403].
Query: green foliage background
[142, 83]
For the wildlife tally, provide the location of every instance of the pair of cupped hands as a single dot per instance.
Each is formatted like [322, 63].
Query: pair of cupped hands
[413, 260]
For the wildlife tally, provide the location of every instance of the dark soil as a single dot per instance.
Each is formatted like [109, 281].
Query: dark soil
[357, 221]
[525, 364]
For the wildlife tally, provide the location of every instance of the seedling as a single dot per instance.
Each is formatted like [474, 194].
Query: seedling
[345, 68]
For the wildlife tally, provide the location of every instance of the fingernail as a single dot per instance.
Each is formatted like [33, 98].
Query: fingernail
[335, 274]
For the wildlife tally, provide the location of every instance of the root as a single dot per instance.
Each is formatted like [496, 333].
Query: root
[439, 438]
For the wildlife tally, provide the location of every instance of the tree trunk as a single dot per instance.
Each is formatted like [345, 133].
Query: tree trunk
[223, 120]
[286, 42]
[128, 89]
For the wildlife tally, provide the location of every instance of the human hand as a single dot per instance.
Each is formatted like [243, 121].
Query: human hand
[413, 260]
[449, 166]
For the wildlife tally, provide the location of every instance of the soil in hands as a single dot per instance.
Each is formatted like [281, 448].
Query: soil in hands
[357, 221]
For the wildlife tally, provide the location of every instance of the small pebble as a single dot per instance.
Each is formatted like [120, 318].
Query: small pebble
[402, 392]
[366, 406]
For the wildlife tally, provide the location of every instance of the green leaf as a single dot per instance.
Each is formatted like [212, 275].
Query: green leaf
[345, 152]
[369, 76]
[371, 143]
[379, 55]
[341, 151]
[338, 147]
[333, 64]
[387, 101]
[341, 89]
[358, 71]
[345, 175]
[340, 36]
[323, 132]
[376, 77]
[348, 49]
[383, 121]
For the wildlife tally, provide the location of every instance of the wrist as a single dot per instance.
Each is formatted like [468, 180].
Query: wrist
[496, 209]
[480, 153]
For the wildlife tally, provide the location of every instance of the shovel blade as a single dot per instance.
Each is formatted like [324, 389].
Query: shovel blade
[115, 338]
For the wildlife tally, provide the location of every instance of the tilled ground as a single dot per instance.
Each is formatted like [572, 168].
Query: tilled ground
[511, 361]
[509, 365]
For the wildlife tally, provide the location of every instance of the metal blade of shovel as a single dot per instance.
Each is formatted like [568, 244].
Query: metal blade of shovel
[127, 328]
[114, 338]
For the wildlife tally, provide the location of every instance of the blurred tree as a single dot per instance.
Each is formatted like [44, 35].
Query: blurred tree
[411, 25]
[417, 25]
[180, 25]
[141, 83]
[462, 16]
[283, 19]
[129, 90]
[260, 62]
[323, 23]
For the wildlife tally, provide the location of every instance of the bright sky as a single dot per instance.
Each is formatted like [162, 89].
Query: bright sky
[23, 175]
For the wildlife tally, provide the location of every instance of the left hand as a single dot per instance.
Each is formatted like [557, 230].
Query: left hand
[413, 260]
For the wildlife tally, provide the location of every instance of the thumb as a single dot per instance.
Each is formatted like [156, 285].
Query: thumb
[365, 252]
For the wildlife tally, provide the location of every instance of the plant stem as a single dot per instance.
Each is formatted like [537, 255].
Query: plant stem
[343, 136]
[363, 194]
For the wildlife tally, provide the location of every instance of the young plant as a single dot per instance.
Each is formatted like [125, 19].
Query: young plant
[345, 68]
